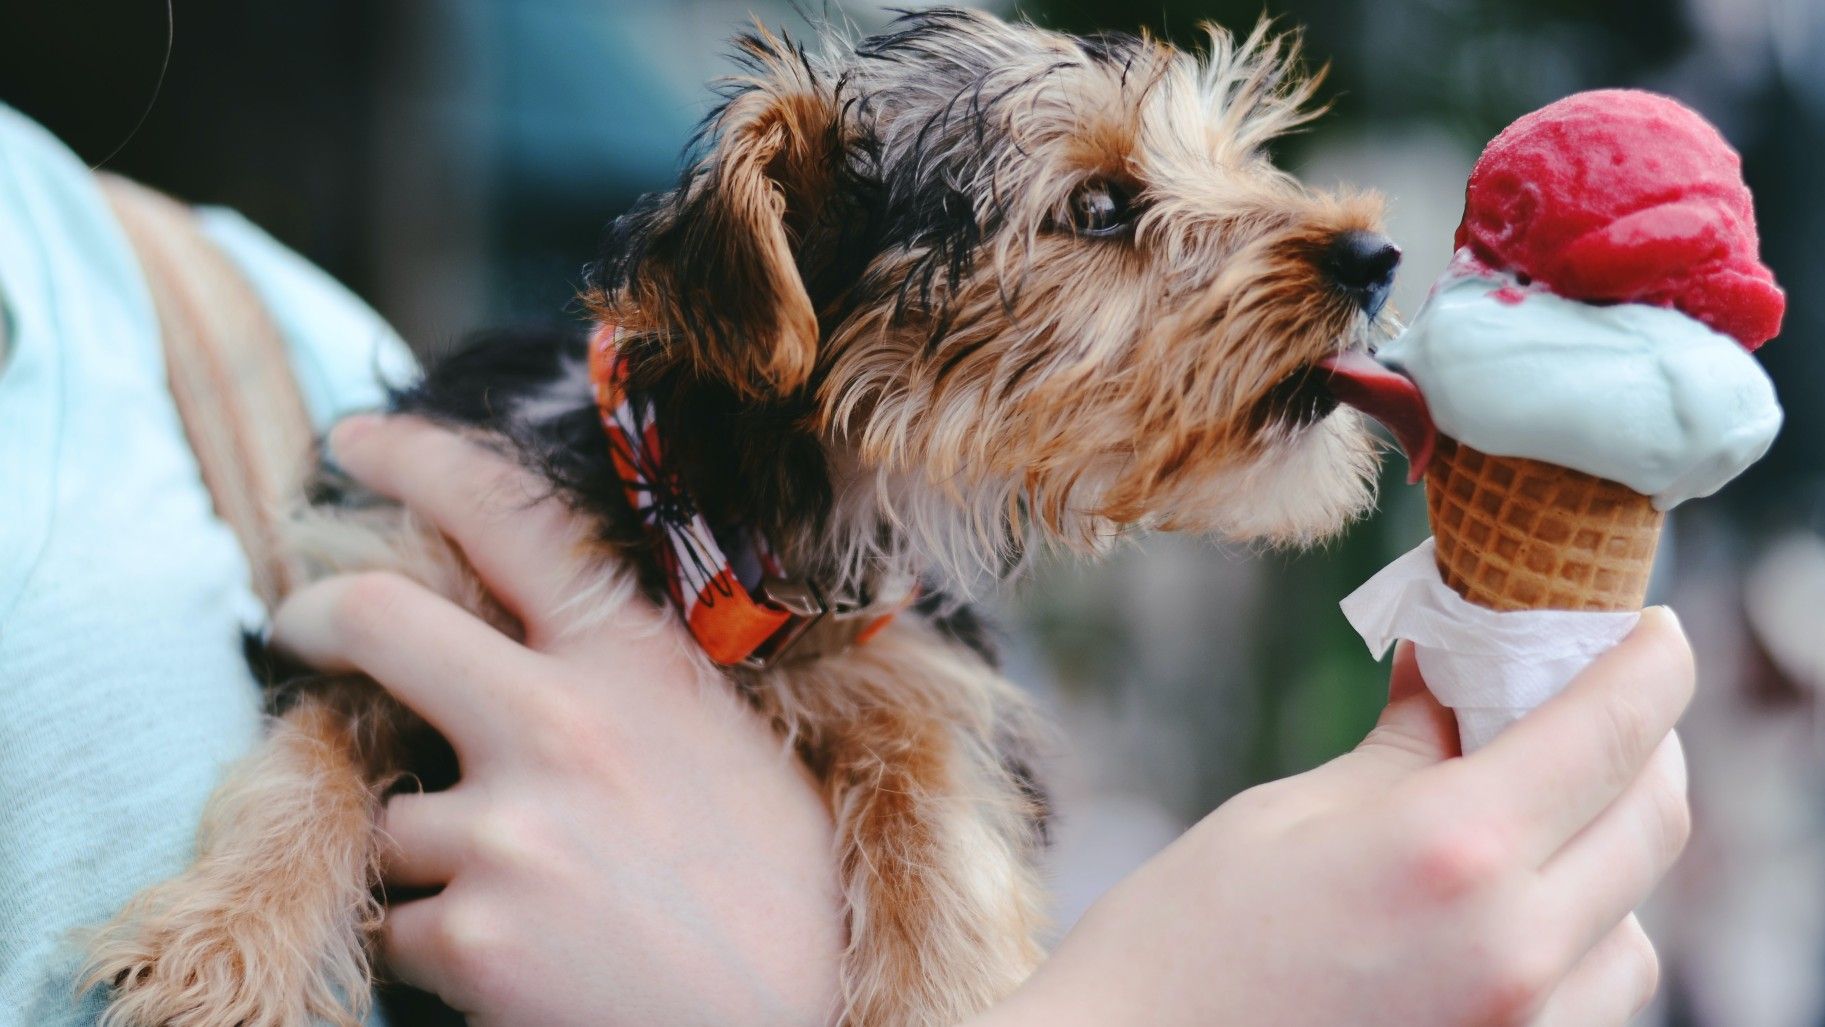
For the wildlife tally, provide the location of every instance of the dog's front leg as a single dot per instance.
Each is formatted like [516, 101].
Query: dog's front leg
[267, 928]
[937, 824]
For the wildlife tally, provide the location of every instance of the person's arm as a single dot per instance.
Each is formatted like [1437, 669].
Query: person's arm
[630, 845]
[1397, 886]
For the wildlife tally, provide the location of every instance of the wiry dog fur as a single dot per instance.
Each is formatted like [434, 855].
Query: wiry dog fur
[920, 303]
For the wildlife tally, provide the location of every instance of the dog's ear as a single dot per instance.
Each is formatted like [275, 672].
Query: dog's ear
[714, 267]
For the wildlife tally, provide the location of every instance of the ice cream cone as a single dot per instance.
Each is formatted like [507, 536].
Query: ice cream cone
[1599, 313]
[1519, 534]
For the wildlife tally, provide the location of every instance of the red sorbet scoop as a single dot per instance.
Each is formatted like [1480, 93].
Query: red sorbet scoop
[1624, 196]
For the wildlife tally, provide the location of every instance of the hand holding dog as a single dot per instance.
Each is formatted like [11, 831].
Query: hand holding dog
[628, 844]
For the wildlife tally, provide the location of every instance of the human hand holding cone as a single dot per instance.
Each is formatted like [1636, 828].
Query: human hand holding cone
[1580, 368]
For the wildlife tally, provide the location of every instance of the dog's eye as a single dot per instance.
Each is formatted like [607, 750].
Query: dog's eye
[1100, 208]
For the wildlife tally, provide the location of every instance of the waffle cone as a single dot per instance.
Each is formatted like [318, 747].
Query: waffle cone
[1519, 534]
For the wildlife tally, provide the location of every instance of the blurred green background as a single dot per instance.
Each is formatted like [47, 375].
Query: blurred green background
[454, 160]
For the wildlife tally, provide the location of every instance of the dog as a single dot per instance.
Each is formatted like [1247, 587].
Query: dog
[921, 305]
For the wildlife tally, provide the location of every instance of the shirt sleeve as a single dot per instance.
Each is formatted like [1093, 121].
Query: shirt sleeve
[344, 355]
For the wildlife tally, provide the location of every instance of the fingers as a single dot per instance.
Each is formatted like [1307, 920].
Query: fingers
[447, 665]
[519, 537]
[424, 843]
[1414, 731]
[1404, 680]
[454, 947]
[416, 941]
[1610, 867]
[1614, 981]
[1557, 768]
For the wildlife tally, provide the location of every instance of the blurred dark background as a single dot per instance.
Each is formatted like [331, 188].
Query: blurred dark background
[454, 160]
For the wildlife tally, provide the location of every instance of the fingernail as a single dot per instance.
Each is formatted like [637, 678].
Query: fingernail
[1670, 615]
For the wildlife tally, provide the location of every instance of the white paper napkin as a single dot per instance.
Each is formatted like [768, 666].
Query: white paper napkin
[1488, 666]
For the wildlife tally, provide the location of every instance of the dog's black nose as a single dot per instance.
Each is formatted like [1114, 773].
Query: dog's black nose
[1364, 263]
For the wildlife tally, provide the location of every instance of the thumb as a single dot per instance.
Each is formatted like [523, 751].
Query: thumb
[1404, 680]
[1413, 730]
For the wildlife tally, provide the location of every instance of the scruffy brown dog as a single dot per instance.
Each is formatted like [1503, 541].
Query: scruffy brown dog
[921, 304]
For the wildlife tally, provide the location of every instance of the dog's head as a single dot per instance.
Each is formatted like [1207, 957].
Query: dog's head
[1015, 281]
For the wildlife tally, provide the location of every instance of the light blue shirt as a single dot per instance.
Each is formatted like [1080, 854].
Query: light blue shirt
[122, 596]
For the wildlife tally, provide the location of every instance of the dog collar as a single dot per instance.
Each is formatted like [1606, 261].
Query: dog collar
[730, 586]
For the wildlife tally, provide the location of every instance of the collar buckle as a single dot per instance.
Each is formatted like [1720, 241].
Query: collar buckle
[808, 606]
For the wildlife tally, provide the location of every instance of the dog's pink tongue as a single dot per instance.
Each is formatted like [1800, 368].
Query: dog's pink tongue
[1390, 397]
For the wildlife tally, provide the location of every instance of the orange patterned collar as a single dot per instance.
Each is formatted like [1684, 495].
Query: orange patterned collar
[739, 602]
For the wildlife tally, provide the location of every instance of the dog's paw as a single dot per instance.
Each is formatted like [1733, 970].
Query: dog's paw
[189, 953]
